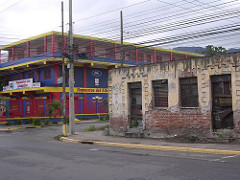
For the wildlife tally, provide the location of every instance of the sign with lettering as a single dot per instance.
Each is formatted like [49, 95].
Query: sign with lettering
[21, 84]
[92, 90]
[96, 73]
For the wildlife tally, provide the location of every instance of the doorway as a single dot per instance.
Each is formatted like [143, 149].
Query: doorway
[222, 115]
[135, 94]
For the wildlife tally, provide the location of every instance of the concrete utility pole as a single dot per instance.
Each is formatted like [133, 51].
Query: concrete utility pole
[64, 128]
[121, 54]
[71, 75]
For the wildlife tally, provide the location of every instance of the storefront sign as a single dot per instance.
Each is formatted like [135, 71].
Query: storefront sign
[36, 85]
[59, 80]
[92, 90]
[21, 84]
[96, 73]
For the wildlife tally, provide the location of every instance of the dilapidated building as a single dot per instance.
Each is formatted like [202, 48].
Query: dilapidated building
[196, 96]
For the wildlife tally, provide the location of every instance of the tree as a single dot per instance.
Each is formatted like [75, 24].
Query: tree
[54, 107]
[3, 106]
[3, 82]
[212, 50]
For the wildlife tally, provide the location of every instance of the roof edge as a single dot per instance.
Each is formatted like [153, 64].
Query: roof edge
[96, 39]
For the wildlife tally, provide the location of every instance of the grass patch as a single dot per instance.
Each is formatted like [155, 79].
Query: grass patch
[9, 123]
[94, 128]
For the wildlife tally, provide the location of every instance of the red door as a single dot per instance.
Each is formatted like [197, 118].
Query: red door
[29, 107]
[40, 107]
[14, 108]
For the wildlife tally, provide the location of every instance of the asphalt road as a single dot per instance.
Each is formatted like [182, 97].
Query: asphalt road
[33, 154]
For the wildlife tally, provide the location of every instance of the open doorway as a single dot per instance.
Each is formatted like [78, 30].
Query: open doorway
[135, 94]
[222, 115]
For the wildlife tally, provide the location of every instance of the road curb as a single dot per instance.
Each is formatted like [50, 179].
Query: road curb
[17, 128]
[153, 147]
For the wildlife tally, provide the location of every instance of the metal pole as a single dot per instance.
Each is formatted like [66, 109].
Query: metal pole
[121, 19]
[64, 128]
[71, 75]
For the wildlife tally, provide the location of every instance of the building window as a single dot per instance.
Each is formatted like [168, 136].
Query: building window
[160, 93]
[189, 92]
[47, 74]
[149, 58]
[159, 58]
[141, 57]
[15, 77]
[110, 53]
[30, 75]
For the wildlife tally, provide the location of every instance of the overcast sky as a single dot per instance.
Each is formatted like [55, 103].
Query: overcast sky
[143, 19]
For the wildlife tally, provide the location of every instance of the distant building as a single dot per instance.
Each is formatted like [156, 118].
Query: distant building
[33, 72]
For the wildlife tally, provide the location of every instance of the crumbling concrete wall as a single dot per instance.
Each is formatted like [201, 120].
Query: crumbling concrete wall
[173, 119]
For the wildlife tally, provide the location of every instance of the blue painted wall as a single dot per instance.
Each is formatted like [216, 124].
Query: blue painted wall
[93, 73]
[47, 82]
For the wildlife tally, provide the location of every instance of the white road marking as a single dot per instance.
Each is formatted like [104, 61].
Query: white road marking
[221, 159]
[93, 149]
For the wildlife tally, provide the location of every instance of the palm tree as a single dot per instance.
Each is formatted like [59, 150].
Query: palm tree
[3, 106]
[53, 108]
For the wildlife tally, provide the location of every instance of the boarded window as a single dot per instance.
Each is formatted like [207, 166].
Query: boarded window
[160, 90]
[189, 92]
[47, 74]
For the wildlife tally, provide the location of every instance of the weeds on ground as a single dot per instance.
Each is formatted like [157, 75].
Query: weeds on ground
[9, 123]
[94, 128]
[37, 122]
[30, 121]
[47, 122]
[19, 122]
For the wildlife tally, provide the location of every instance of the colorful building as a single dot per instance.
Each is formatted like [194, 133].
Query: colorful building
[31, 72]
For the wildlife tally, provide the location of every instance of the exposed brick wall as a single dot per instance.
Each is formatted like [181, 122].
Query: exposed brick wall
[174, 118]
[163, 120]
[119, 124]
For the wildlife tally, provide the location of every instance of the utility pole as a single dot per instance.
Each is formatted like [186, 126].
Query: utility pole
[71, 75]
[64, 128]
[121, 54]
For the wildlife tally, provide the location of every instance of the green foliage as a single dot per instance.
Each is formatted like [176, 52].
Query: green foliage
[94, 128]
[102, 127]
[30, 121]
[37, 122]
[47, 122]
[90, 128]
[102, 118]
[105, 103]
[107, 118]
[67, 120]
[19, 122]
[135, 123]
[3, 82]
[54, 122]
[212, 50]
[9, 123]
[3, 103]
[53, 108]
[220, 136]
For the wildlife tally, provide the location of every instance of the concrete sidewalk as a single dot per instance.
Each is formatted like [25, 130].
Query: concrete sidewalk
[98, 138]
